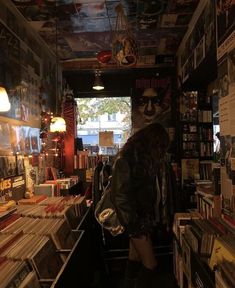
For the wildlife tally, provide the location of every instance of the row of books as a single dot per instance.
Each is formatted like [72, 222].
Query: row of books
[223, 250]
[180, 222]
[205, 134]
[204, 116]
[208, 205]
[204, 244]
[206, 149]
[200, 235]
[205, 170]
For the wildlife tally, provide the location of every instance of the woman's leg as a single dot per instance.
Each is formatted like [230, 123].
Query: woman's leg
[133, 266]
[133, 255]
[144, 249]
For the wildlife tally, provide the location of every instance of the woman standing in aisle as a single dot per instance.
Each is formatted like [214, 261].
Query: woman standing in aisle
[140, 194]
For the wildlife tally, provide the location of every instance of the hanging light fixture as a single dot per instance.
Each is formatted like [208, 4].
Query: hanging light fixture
[58, 123]
[5, 104]
[98, 84]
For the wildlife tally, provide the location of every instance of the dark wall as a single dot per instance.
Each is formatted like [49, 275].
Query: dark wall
[205, 73]
[117, 82]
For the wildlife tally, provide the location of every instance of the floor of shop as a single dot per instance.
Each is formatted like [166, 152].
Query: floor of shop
[113, 257]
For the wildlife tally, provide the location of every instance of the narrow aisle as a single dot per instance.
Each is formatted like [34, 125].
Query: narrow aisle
[164, 278]
[111, 258]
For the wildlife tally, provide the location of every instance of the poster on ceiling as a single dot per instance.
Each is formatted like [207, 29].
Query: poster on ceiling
[151, 101]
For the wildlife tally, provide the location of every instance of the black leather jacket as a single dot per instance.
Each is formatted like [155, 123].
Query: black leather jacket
[133, 214]
[138, 205]
[120, 192]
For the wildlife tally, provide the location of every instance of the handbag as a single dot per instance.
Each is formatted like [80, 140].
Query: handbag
[106, 215]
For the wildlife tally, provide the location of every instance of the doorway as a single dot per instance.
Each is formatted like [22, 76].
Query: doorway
[104, 124]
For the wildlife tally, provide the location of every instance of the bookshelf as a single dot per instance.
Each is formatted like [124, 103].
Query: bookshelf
[196, 127]
[204, 250]
[196, 141]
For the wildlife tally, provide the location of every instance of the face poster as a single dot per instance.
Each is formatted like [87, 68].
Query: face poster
[151, 101]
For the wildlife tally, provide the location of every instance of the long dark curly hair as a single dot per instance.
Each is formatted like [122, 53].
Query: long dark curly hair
[146, 149]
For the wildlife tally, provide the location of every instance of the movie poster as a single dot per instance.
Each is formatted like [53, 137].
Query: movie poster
[34, 140]
[151, 101]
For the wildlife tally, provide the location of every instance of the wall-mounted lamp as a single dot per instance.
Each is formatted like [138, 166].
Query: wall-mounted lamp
[5, 104]
[57, 124]
[98, 84]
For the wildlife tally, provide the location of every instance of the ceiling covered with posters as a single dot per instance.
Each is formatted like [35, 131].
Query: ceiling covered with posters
[86, 31]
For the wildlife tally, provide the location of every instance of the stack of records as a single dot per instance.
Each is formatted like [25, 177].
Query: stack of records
[37, 250]
[14, 273]
[56, 228]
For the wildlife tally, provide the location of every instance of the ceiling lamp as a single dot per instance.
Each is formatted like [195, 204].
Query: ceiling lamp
[58, 123]
[5, 104]
[98, 84]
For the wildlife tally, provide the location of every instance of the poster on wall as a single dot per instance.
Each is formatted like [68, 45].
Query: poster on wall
[7, 166]
[190, 169]
[151, 101]
[11, 166]
[3, 166]
[5, 143]
[34, 139]
[224, 112]
[106, 138]
[18, 139]
[12, 188]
